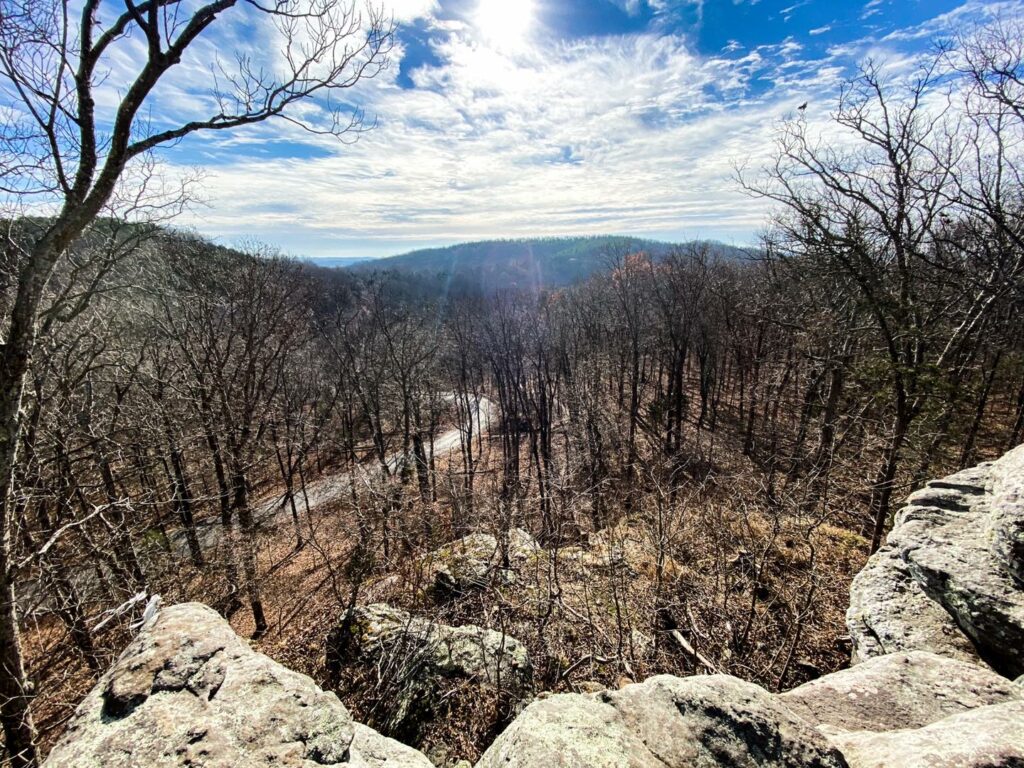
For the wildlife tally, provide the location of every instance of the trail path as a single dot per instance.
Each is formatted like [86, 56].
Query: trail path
[272, 511]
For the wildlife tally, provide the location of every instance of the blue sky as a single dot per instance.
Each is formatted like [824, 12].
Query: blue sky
[550, 117]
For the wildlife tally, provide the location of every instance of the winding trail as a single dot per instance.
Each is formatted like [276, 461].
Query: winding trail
[271, 510]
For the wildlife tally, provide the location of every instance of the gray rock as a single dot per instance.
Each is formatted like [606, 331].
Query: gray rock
[371, 750]
[1006, 529]
[468, 651]
[988, 737]
[899, 691]
[427, 653]
[950, 557]
[948, 499]
[947, 579]
[665, 722]
[469, 563]
[889, 612]
[188, 692]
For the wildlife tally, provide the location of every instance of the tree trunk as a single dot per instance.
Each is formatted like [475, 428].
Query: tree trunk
[15, 360]
[15, 690]
[69, 608]
[247, 529]
[967, 455]
[1018, 424]
[183, 504]
[882, 489]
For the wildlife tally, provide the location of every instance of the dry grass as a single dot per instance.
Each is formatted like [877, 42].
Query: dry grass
[753, 589]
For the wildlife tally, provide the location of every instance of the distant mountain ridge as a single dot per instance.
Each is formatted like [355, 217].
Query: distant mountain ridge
[337, 262]
[531, 264]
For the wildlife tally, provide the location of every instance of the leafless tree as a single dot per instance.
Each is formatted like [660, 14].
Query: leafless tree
[57, 149]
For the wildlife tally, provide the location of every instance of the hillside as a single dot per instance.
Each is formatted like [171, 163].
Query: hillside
[587, 501]
[529, 264]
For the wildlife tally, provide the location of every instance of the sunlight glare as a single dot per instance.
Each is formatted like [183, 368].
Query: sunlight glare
[505, 23]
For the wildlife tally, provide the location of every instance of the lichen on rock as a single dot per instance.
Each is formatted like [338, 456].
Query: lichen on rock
[189, 692]
[426, 655]
[665, 722]
[947, 579]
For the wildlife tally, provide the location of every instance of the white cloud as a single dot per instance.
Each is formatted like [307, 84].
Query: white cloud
[631, 134]
[410, 10]
[620, 134]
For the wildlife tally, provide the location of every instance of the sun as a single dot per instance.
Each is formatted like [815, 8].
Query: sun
[505, 23]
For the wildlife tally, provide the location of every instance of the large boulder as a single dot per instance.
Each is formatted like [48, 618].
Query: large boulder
[470, 563]
[899, 691]
[665, 722]
[948, 578]
[889, 612]
[189, 692]
[1007, 519]
[430, 656]
[988, 737]
[950, 556]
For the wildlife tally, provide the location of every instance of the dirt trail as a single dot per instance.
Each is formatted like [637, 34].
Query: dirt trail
[271, 511]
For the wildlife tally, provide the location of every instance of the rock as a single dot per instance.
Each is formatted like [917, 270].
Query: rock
[988, 737]
[567, 731]
[188, 692]
[899, 691]
[428, 654]
[950, 557]
[468, 563]
[371, 750]
[946, 580]
[1006, 529]
[468, 651]
[665, 722]
[889, 612]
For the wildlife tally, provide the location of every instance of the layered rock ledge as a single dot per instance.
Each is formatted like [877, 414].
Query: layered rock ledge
[948, 579]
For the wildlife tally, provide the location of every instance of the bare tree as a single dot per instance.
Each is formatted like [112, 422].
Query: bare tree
[874, 210]
[58, 148]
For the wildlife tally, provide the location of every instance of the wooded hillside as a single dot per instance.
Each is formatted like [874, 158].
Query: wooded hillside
[675, 464]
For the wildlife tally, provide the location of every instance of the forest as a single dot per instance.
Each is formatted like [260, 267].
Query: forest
[681, 459]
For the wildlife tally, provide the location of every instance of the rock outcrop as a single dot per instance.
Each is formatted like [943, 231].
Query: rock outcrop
[1006, 522]
[883, 599]
[898, 692]
[909, 709]
[469, 563]
[665, 722]
[937, 620]
[948, 578]
[429, 655]
[989, 737]
[189, 692]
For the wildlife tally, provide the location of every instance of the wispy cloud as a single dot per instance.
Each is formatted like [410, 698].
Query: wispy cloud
[631, 133]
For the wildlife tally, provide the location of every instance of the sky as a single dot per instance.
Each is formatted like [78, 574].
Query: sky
[521, 118]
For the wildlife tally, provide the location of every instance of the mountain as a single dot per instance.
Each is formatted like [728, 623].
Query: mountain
[518, 264]
[337, 262]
